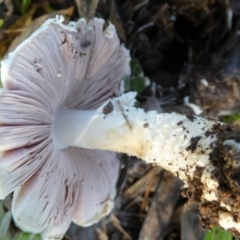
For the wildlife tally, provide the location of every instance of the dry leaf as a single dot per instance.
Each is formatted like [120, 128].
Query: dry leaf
[139, 187]
[14, 30]
[117, 224]
[86, 8]
[101, 234]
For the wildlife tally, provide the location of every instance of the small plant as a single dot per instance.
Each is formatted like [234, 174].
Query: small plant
[25, 6]
[5, 229]
[218, 234]
[232, 119]
[27, 236]
[1, 22]
[136, 81]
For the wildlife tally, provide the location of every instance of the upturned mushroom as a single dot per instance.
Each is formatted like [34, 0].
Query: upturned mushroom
[58, 101]
[77, 67]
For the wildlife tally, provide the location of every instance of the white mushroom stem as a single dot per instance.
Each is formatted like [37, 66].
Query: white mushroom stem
[202, 152]
[164, 139]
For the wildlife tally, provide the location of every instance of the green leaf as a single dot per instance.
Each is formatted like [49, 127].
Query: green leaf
[218, 234]
[231, 118]
[25, 6]
[4, 225]
[136, 82]
[27, 236]
[1, 22]
[136, 67]
[48, 8]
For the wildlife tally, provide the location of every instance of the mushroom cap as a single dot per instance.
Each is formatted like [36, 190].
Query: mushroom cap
[80, 66]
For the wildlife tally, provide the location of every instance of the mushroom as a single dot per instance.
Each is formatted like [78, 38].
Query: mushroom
[53, 119]
[74, 66]
[204, 153]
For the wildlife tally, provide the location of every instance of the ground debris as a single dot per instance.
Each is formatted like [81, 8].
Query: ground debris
[163, 204]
